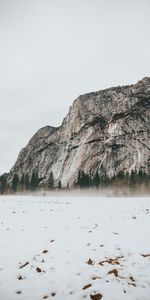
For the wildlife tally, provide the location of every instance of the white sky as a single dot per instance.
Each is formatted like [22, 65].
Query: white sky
[53, 50]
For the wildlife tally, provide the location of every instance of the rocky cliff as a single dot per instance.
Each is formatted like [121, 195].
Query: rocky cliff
[106, 131]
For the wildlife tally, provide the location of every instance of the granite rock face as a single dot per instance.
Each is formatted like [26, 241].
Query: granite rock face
[106, 131]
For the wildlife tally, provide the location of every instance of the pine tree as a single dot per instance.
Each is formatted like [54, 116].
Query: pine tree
[59, 184]
[26, 181]
[3, 183]
[22, 182]
[15, 182]
[96, 179]
[34, 182]
[84, 180]
[133, 177]
[79, 179]
[51, 181]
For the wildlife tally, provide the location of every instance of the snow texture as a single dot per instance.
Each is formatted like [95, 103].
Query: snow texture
[72, 248]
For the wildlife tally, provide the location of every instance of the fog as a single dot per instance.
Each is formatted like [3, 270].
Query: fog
[120, 190]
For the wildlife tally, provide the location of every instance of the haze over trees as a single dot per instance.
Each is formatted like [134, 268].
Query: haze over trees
[83, 181]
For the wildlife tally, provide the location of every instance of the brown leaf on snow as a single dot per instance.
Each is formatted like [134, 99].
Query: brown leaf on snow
[90, 262]
[38, 270]
[95, 277]
[96, 296]
[112, 261]
[24, 265]
[114, 271]
[87, 286]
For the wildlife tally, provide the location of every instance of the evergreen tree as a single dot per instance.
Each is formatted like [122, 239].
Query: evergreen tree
[120, 176]
[15, 182]
[79, 179]
[127, 178]
[84, 180]
[22, 182]
[3, 183]
[34, 182]
[87, 182]
[26, 181]
[104, 181]
[96, 179]
[51, 181]
[59, 184]
[133, 178]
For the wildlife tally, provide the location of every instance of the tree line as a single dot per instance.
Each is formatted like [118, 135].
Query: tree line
[26, 183]
[84, 180]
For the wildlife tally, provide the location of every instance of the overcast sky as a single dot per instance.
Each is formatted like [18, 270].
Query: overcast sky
[51, 51]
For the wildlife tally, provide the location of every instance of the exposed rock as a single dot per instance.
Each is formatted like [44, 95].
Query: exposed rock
[106, 131]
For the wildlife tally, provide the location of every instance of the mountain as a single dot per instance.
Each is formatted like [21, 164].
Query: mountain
[104, 132]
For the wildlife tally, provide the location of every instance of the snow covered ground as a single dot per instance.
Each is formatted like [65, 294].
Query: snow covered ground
[74, 248]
